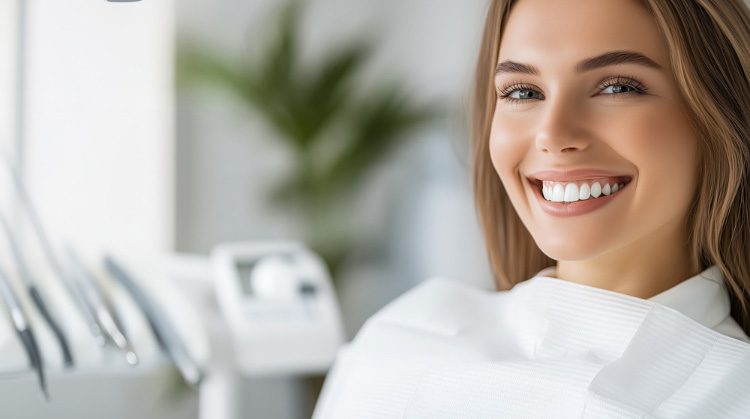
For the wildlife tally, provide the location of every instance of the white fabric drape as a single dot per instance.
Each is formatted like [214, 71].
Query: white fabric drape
[548, 348]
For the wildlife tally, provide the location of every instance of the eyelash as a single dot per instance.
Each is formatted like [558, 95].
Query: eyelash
[639, 88]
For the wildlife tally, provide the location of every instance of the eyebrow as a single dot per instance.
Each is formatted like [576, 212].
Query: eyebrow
[602, 60]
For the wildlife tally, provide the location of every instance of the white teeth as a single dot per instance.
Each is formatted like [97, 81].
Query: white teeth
[558, 193]
[571, 192]
[584, 191]
[596, 190]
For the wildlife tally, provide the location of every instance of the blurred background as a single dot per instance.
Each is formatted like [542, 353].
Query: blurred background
[161, 129]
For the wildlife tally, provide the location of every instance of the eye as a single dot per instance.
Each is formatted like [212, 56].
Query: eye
[621, 84]
[507, 92]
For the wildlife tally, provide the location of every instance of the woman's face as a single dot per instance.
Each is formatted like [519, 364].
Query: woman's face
[572, 126]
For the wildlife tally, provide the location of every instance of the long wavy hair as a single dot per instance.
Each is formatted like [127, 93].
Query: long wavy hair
[709, 44]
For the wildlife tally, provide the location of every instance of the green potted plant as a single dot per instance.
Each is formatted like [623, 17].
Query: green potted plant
[336, 136]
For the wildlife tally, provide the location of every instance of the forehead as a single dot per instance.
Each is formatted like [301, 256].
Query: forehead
[552, 32]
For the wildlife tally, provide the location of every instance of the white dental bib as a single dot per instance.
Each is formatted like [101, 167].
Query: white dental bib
[548, 348]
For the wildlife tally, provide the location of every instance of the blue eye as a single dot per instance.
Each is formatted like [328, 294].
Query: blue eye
[526, 92]
[621, 88]
[621, 82]
[621, 85]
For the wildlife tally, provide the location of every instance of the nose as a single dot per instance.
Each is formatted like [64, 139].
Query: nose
[561, 128]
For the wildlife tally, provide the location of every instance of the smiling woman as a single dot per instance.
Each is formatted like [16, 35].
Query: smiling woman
[652, 92]
[596, 120]
[611, 173]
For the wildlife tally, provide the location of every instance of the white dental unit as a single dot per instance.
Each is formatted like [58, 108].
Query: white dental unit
[280, 306]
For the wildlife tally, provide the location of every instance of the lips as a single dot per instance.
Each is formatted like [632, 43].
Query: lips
[577, 175]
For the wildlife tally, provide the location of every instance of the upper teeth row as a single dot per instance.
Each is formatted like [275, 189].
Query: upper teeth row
[570, 192]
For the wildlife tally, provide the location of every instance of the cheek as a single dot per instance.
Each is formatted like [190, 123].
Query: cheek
[507, 150]
[664, 148]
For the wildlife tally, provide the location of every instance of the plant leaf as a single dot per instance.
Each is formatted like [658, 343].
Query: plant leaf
[378, 127]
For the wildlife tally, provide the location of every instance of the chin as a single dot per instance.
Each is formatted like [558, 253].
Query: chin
[569, 248]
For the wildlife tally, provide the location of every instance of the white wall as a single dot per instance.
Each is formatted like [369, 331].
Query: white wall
[8, 15]
[99, 154]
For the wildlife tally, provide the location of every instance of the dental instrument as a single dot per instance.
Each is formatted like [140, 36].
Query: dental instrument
[23, 328]
[107, 318]
[36, 296]
[166, 336]
[43, 238]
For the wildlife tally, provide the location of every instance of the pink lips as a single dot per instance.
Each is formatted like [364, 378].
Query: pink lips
[573, 175]
[566, 209]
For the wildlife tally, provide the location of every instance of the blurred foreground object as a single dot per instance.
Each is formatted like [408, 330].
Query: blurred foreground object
[273, 322]
[279, 304]
[101, 382]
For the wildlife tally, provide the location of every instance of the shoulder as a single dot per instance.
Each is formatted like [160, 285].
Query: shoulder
[434, 305]
[393, 343]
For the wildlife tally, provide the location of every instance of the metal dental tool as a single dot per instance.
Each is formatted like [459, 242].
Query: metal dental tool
[106, 317]
[168, 339]
[77, 294]
[23, 328]
[36, 296]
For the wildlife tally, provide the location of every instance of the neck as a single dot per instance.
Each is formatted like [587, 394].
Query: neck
[642, 269]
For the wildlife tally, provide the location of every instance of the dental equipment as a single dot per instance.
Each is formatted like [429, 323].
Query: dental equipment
[277, 297]
[107, 318]
[23, 328]
[77, 294]
[36, 296]
[165, 333]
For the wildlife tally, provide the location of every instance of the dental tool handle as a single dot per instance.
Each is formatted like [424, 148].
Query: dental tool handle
[164, 331]
[23, 329]
[105, 316]
[29, 341]
[56, 330]
[49, 253]
[36, 296]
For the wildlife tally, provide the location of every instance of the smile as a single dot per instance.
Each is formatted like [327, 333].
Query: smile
[578, 197]
[580, 191]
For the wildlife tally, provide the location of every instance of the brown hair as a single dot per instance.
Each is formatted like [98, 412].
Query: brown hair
[709, 44]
